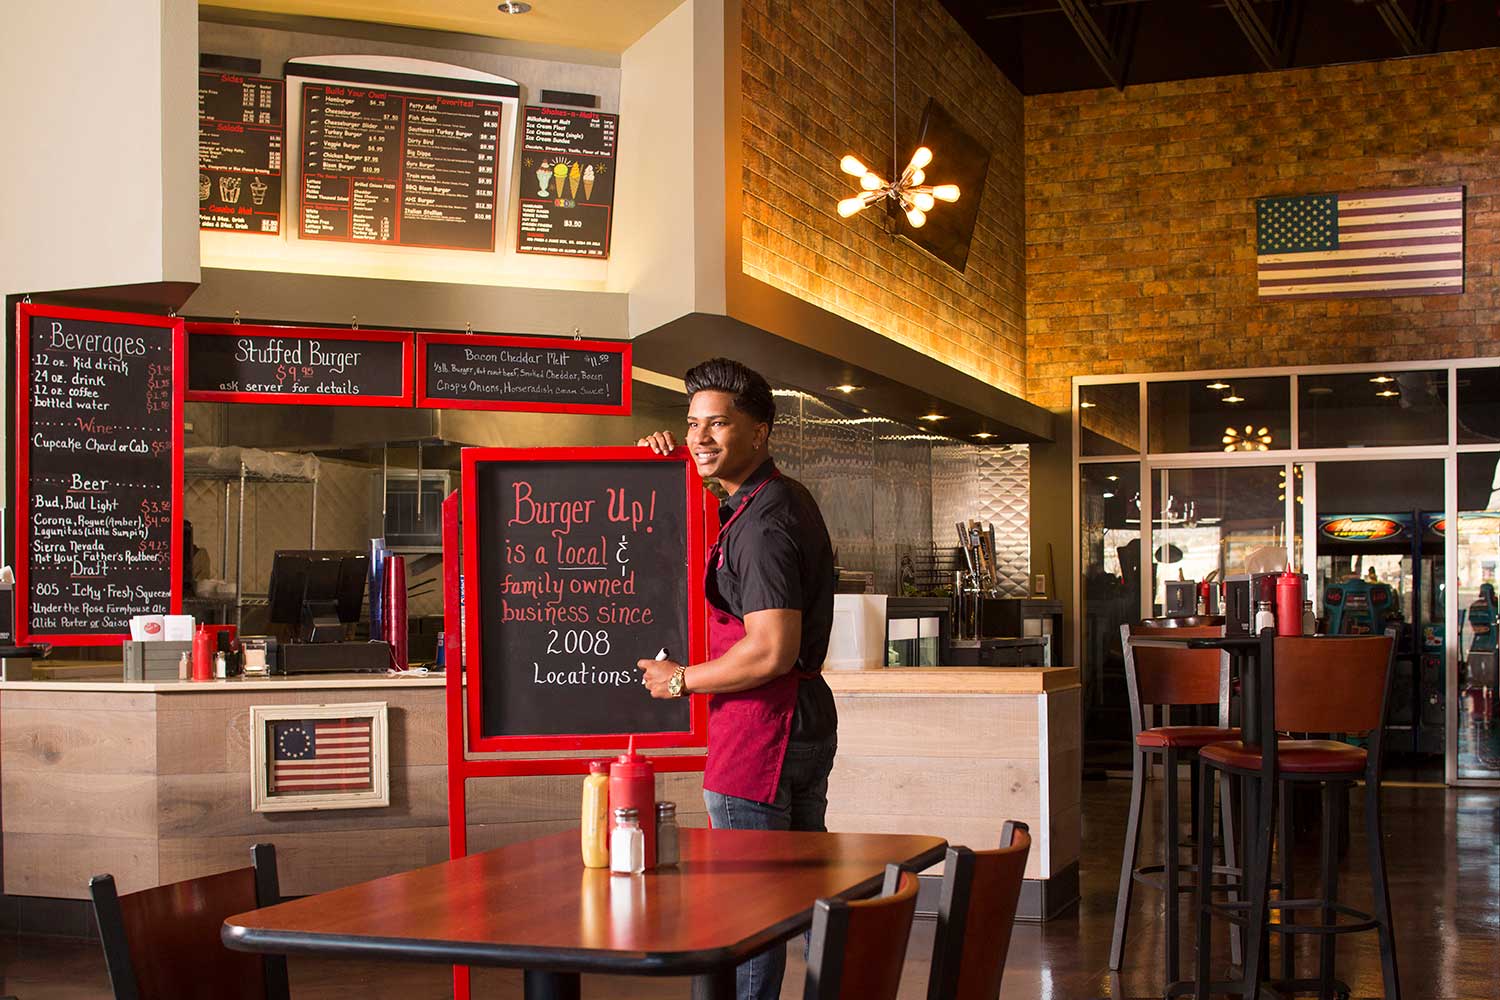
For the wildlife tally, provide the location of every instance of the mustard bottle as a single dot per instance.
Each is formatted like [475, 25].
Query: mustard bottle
[595, 825]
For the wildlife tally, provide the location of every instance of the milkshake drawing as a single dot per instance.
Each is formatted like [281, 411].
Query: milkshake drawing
[205, 187]
[258, 190]
[588, 183]
[543, 175]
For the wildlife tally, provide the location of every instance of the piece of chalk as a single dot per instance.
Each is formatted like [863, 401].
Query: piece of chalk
[663, 654]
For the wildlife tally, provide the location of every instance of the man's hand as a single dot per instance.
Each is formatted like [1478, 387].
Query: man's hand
[658, 673]
[661, 442]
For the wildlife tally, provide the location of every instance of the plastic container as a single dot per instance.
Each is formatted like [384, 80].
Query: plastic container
[595, 820]
[632, 785]
[394, 611]
[627, 844]
[203, 654]
[1289, 603]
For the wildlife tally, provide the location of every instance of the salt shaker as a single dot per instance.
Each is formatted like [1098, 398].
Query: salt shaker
[627, 843]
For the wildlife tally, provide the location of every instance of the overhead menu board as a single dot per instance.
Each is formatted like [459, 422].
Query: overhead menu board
[581, 562]
[98, 472]
[567, 182]
[388, 166]
[241, 134]
[244, 363]
[481, 372]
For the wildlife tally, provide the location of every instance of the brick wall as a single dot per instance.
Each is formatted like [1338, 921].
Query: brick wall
[1140, 234]
[816, 79]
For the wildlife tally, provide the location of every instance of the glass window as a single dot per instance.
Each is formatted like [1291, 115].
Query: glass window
[1110, 556]
[1216, 520]
[1109, 419]
[1478, 405]
[1219, 414]
[1372, 409]
[1478, 566]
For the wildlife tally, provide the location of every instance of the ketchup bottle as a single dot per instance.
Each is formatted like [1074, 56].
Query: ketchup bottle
[203, 654]
[1289, 603]
[632, 785]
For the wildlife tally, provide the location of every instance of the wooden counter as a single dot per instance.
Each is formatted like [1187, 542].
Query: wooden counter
[956, 752]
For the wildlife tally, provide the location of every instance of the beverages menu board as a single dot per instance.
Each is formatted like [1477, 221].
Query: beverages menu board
[567, 182]
[244, 363]
[391, 167]
[585, 563]
[99, 472]
[481, 372]
[241, 132]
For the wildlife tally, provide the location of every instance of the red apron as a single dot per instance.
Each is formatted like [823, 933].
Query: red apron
[747, 730]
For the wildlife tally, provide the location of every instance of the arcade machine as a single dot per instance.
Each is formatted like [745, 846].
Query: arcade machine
[1384, 573]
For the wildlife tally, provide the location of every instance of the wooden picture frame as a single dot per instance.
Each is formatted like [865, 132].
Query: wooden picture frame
[315, 757]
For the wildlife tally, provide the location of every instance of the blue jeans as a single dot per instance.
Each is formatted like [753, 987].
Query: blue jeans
[801, 802]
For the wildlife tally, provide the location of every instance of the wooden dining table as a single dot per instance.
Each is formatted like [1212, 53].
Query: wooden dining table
[533, 906]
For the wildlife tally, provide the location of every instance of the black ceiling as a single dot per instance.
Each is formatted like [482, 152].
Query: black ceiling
[1048, 46]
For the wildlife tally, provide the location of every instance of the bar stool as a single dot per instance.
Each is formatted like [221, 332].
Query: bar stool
[1315, 685]
[1167, 677]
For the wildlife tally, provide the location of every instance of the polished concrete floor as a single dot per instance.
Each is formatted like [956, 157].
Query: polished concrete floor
[1444, 863]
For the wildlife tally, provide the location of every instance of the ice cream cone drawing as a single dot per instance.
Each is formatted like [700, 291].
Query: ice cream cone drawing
[588, 183]
[543, 175]
[205, 187]
[258, 190]
[573, 176]
[560, 175]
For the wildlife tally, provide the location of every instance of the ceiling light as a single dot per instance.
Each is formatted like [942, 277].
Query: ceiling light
[984, 435]
[1232, 398]
[1107, 496]
[1382, 379]
[1387, 393]
[1320, 390]
[1113, 479]
[513, 7]
[932, 417]
[846, 388]
[1086, 405]
[1217, 386]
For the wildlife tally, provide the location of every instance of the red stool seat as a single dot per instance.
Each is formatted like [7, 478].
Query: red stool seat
[1184, 737]
[1292, 756]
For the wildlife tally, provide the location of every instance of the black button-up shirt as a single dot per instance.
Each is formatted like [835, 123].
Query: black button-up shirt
[777, 555]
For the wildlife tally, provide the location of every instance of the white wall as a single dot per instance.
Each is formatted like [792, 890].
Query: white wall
[669, 224]
[101, 132]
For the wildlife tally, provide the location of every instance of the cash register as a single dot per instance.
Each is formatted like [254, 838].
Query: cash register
[315, 597]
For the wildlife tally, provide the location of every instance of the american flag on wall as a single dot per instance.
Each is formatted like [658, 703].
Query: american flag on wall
[1408, 241]
[321, 755]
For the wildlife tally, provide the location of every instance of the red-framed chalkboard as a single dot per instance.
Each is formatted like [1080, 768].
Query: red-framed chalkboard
[301, 365]
[578, 562]
[464, 371]
[98, 472]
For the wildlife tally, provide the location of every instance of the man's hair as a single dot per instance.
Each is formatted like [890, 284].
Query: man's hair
[752, 394]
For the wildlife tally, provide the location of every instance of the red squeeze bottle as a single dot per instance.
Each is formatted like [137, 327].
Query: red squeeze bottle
[632, 785]
[203, 654]
[1289, 603]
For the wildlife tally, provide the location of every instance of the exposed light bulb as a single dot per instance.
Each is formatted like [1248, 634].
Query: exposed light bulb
[921, 157]
[983, 435]
[917, 177]
[1086, 405]
[1107, 496]
[1216, 386]
[923, 201]
[849, 206]
[1231, 398]
[851, 165]
[945, 192]
[871, 182]
[916, 217]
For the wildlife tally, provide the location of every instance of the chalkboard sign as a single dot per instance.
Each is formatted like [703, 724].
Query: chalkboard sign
[244, 363]
[460, 371]
[568, 182]
[580, 562]
[98, 472]
[241, 135]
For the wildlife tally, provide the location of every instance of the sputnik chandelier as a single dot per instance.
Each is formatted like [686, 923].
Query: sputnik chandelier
[915, 198]
[909, 191]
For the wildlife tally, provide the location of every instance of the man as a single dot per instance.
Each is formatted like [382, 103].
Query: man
[773, 729]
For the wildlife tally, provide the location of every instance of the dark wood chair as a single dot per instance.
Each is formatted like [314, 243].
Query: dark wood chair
[163, 943]
[858, 947]
[1163, 678]
[975, 915]
[1315, 685]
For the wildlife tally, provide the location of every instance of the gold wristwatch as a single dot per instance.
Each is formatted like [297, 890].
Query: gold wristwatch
[677, 685]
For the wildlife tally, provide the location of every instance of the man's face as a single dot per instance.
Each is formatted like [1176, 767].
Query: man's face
[725, 442]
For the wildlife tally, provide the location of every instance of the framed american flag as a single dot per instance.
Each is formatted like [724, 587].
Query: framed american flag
[307, 757]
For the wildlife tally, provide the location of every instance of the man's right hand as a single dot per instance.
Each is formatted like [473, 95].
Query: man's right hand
[661, 442]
